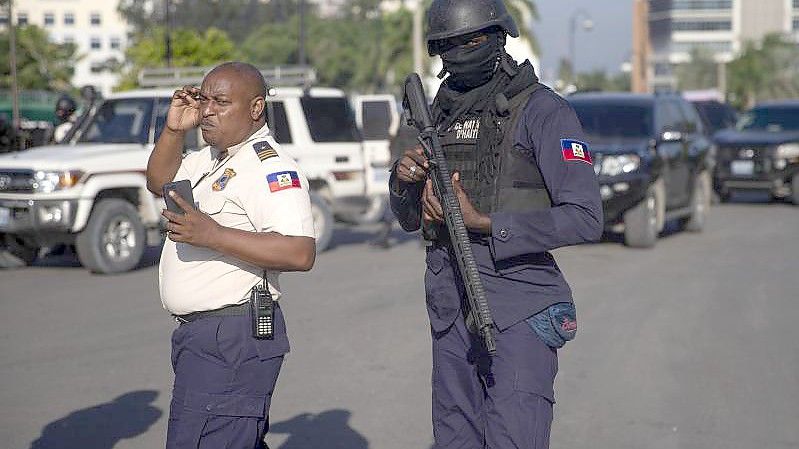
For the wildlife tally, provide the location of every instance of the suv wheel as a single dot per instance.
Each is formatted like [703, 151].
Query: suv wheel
[641, 222]
[18, 252]
[323, 222]
[113, 240]
[700, 204]
[795, 189]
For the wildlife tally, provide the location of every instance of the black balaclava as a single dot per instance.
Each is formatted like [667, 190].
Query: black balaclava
[472, 67]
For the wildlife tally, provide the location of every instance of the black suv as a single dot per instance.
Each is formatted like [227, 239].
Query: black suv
[652, 160]
[761, 153]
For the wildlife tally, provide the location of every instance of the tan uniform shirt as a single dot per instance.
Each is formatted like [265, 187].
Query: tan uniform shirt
[255, 188]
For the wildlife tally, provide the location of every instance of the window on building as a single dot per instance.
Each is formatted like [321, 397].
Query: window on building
[69, 18]
[714, 47]
[707, 25]
[795, 4]
[796, 24]
[701, 4]
[116, 43]
[94, 19]
[49, 19]
[95, 44]
[69, 40]
[22, 18]
[3, 20]
[96, 67]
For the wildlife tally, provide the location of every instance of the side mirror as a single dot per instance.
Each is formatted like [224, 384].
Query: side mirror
[670, 136]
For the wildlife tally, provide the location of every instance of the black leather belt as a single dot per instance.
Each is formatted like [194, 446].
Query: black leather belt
[234, 310]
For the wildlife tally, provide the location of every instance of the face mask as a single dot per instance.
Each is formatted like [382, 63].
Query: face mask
[471, 67]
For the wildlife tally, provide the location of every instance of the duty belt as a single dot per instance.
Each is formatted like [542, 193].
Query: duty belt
[234, 310]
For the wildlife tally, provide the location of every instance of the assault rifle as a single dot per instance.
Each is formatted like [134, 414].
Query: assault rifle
[419, 116]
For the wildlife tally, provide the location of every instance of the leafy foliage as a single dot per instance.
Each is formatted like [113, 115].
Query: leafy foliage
[764, 71]
[41, 64]
[189, 48]
[700, 73]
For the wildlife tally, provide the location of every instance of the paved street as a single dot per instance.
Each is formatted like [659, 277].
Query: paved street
[690, 345]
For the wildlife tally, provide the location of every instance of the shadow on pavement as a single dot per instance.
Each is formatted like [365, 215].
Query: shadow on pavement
[102, 426]
[326, 430]
[66, 258]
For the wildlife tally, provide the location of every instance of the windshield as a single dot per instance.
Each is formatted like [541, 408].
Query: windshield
[770, 119]
[330, 119]
[120, 121]
[615, 120]
[716, 115]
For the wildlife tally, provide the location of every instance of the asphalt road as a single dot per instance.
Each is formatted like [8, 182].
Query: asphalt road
[690, 345]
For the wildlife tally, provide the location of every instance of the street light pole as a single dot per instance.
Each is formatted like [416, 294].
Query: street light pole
[167, 35]
[12, 60]
[418, 19]
[587, 25]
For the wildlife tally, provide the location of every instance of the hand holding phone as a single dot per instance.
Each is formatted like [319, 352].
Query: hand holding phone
[182, 188]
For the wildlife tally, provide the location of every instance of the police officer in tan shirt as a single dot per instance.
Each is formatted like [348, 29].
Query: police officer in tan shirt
[251, 220]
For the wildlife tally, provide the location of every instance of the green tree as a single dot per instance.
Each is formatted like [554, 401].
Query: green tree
[189, 48]
[701, 72]
[41, 64]
[764, 71]
[599, 80]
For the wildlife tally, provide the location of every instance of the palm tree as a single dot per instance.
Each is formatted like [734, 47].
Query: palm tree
[524, 12]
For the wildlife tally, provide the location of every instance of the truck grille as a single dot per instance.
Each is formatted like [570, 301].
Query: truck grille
[16, 181]
[759, 155]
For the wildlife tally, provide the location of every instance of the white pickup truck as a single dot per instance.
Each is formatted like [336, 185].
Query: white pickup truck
[91, 193]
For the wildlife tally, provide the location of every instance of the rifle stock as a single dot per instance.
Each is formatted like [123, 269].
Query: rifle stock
[418, 112]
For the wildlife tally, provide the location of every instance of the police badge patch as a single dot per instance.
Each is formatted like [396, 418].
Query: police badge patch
[221, 183]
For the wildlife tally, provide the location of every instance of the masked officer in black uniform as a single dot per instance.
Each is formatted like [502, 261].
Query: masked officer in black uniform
[523, 173]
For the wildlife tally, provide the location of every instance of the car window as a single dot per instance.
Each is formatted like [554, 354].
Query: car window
[120, 121]
[669, 116]
[615, 120]
[770, 119]
[376, 118]
[161, 109]
[716, 115]
[330, 119]
[692, 121]
[278, 121]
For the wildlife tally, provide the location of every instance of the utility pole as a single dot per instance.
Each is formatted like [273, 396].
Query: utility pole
[12, 59]
[641, 47]
[167, 33]
[301, 59]
[418, 18]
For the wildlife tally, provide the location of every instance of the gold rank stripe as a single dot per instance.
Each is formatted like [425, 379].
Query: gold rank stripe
[266, 154]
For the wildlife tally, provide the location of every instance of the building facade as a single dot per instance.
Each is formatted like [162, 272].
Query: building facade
[98, 31]
[719, 27]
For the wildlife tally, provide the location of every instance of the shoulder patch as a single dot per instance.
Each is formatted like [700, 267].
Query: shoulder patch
[283, 180]
[574, 150]
[264, 150]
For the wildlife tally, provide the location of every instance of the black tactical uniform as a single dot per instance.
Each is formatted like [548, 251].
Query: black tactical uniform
[524, 161]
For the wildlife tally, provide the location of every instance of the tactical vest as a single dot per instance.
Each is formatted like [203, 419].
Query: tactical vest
[497, 178]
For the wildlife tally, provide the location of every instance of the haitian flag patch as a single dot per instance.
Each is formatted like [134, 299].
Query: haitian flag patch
[283, 180]
[574, 150]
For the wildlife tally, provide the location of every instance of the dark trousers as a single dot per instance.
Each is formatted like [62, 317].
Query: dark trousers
[224, 379]
[499, 402]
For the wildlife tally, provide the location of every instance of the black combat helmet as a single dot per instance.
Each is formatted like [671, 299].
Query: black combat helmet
[66, 105]
[450, 18]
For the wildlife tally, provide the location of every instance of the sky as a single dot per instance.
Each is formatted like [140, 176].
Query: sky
[606, 47]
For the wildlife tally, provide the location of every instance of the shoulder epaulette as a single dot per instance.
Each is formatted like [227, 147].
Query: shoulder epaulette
[264, 150]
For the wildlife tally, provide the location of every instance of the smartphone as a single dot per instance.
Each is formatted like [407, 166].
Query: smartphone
[182, 188]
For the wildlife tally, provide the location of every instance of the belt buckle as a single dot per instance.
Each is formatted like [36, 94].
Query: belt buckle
[180, 320]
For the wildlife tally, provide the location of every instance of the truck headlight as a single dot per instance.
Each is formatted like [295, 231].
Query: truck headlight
[614, 165]
[50, 181]
[787, 151]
